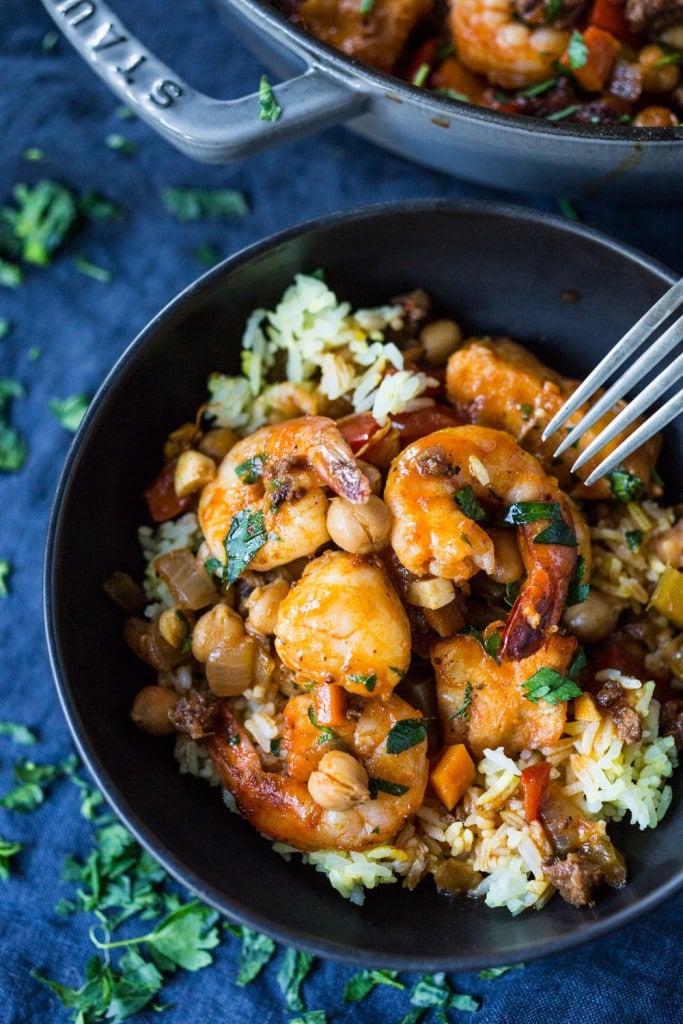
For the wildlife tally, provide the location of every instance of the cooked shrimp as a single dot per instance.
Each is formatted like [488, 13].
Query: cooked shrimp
[440, 482]
[489, 39]
[482, 702]
[282, 806]
[344, 623]
[498, 383]
[281, 471]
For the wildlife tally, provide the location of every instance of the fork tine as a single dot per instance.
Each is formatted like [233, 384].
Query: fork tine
[645, 431]
[633, 338]
[649, 358]
[655, 388]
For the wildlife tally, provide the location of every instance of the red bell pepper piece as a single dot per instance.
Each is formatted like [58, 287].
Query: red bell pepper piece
[535, 780]
[413, 425]
[162, 501]
[609, 16]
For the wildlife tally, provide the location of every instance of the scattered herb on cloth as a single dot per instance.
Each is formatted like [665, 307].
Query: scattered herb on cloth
[13, 448]
[204, 203]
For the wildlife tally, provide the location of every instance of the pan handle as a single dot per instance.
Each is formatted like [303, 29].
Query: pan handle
[210, 130]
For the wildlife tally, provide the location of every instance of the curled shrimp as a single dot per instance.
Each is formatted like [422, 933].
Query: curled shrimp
[482, 701]
[344, 623]
[490, 40]
[281, 471]
[438, 488]
[495, 382]
[281, 804]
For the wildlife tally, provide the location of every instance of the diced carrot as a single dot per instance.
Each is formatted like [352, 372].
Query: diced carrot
[585, 709]
[609, 15]
[162, 501]
[450, 74]
[602, 50]
[535, 780]
[668, 595]
[452, 775]
[330, 701]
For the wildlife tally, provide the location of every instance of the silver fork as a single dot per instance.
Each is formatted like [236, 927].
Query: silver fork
[642, 332]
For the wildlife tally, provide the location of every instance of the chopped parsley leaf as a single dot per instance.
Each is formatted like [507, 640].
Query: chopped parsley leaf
[13, 450]
[95, 207]
[512, 591]
[257, 949]
[120, 144]
[367, 681]
[207, 255]
[526, 411]
[70, 411]
[84, 266]
[365, 6]
[547, 684]
[625, 486]
[246, 536]
[5, 570]
[204, 203]
[577, 51]
[268, 107]
[634, 538]
[327, 735]
[421, 75]
[495, 972]
[469, 505]
[40, 222]
[406, 733]
[376, 785]
[292, 973]
[433, 990]
[463, 710]
[364, 981]
[521, 513]
[310, 1017]
[7, 849]
[578, 591]
[18, 733]
[251, 470]
[30, 782]
[557, 532]
[50, 42]
[10, 274]
[33, 154]
[5, 327]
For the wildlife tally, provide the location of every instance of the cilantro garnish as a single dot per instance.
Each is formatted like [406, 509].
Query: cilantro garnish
[31, 781]
[204, 203]
[255, 953]
[577, 51]
[269, 110]
[10, 274]
[495, 972]
[367, 681]
[362, 983]
[5, 327]
[7, 849]
[69, 411]
[13, 450]
[547, 684]
[120, 144]
[421, 75]
[491, 645]
[33, 154]
[39, 223]
[182, 939]
[310, 1017]
[557, 532]
[634, 538]
[5, 570]
[463, 710]
[521, 513]
[251, 470]
[526, 411]
[365, 6]
[94, 207]
[18, 733]
[625, 486]
[207, 255]
[469, 505]
[246, 536]
[376, 785]
[433, 990]
[406, 733]
[327, 735]
[292, 973]
[553, 9]
[512, 591]
[213, 566]
[578, 591]
[85, 266]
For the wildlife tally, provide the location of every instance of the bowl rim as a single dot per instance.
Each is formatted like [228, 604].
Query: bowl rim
[181, 872]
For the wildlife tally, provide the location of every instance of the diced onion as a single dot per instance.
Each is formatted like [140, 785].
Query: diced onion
[186, 578]
[434, 593]
[230, 670]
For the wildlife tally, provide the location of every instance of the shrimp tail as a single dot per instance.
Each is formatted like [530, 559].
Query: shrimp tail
[335, 465]
[534, 615]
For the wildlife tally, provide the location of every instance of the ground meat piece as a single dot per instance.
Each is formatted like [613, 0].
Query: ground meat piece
[612, 698]
[547, 12]
[606, 110]
[575, 878]
[416, 308]
[653, 16]
[551, 101]
[195, 715]
[671, 721]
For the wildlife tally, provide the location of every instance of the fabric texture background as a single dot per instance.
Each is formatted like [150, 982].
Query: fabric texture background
[52, 101]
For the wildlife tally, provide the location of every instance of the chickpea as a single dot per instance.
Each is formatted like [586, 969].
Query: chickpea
[655, 117]
[175, 626]
[340, 782]
[595, 618]
[218, 627]
[262, 605]
[359, 529]
[151, 709]
[659, 75]
[217, 443]
[439, 339]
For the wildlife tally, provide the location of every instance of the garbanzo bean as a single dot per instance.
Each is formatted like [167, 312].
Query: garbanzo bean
[659, 74]
[439, 339]
[262, 605]
[340, 782]
[151, 708]
[218, 627]
[595, 618]
[655, 117]
[175, 625]
[359, 529]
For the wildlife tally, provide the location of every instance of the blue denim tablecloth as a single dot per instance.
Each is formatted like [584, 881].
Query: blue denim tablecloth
[50, 101]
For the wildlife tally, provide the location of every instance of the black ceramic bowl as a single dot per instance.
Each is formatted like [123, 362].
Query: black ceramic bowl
[495, 268]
